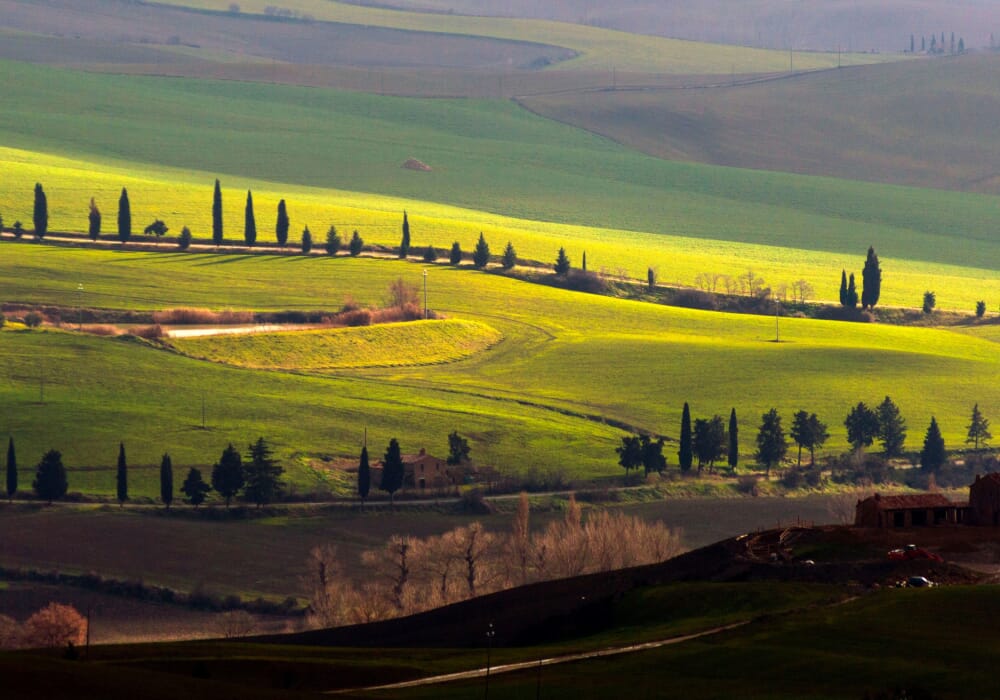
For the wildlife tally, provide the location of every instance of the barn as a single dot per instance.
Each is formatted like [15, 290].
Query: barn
[912, 510]
[984, 500]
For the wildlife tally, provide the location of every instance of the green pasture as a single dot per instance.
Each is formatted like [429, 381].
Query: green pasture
[389, 345]
[487, 155]
[600, 49]
[568, 362]
[923, 122]
[938, 642]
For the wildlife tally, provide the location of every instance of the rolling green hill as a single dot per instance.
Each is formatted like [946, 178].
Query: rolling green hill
[486, 155]
[599, 49]
[923, 122]
[570, 367]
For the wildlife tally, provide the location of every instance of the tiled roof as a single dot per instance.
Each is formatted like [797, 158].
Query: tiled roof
[916, 500]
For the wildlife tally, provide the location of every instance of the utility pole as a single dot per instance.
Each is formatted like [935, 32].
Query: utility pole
[79, 303]
[425, 294]
[490, 633]
[202, 409]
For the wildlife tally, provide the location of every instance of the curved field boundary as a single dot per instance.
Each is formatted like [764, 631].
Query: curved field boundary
[388, 345]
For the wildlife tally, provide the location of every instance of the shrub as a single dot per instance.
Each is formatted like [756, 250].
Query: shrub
[980, 308]
[356, 317]
[584, 281]
[307, 241]
[152, 332]
[18, 229]
[930, 301]
[187, 316]
[32, 319]
[430, 255]
[747, 484]
[184, 240]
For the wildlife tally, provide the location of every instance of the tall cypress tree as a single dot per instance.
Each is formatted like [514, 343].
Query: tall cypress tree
[734, 440]
[121, 480]
[166, 481]
[584, 265]
[392, 470]
[227, 474]
[124, 217]
[686, 452]
[41, 212]
[933, 456]
[404, 244]
[843, 287]
[891, 428]
[871, 281]
[11, 470]
[364, 476]
[94, 218]
[281, 227]
[852, 293]
[250, 223]
[562, 262]
[217, 215]
[481, 255]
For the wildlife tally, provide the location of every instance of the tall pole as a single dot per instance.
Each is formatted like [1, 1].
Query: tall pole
[202, 409]
[490, 633]
[425, 295]
[777, 307]
[79, 303]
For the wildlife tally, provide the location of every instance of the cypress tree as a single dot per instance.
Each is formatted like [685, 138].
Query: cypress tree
[11, 470]
[584, 265]
[195, 488]
[891, 428]
[404, 244]
[852, 293]
[227, 474]
[392, 470]
[933, 456]
[356, 244]
[455, 256]
[121, 480]
[95, 220]
[281, 227]
[481, 255]
[843, 287]
[41, 212]
[871, 281]
[166, 480]
[333, 241]
[364, 476]
[263, 474]
[685, 454]
[562, 262]
[509, 258]
[250, 223]
[50, 477]
[734, 441]
[217, 237]
[124, 217]
[307, 241]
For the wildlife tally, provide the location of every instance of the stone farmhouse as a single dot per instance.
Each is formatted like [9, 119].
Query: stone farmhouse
[423, 471]
[933, 509]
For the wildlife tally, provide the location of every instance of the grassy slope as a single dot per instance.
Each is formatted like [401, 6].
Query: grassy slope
[180, 198]
[939, 641]
[389, 345]
[562, 352]
[488, 155]
[600, 49]
[924, 123]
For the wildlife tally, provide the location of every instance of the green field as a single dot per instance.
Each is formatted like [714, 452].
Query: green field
[600, 49]
[933, 117]
[936, 641]
[540, 398]
[488, 156]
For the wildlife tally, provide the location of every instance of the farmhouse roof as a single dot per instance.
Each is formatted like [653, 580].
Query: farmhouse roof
[917, 500]
[992, 476]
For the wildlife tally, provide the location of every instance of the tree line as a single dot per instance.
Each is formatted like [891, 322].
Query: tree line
[410, 574]
[708, 440]
[257, 478]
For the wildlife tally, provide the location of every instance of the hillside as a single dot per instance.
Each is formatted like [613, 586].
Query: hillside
[925, 123]
[486, 155]
[864, 25]
[570, 367]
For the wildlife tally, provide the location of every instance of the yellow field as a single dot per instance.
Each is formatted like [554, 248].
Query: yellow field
[388, 345]
[599, 49]
[184, 198]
